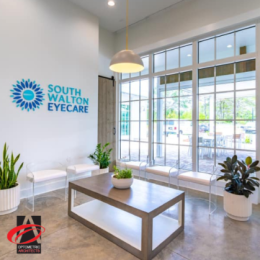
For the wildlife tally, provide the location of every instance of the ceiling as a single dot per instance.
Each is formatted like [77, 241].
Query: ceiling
[113, 18]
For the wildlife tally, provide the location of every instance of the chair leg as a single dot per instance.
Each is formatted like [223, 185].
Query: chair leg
[33, 197]
[178, 187]
[209, 199]
[66, 186]
[169, 184]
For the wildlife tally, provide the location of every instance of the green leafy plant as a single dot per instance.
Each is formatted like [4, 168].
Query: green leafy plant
[101, 156]
[237, 175]
[248, 140]
[8, 175]
[123, 174]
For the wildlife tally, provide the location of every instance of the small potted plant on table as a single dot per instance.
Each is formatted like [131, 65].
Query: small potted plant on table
[101, 157]
[9, 187]
[240, 185]
[122, 179]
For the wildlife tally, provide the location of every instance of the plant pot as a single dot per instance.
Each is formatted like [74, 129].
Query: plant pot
[122, 183]
[102, 171]
[9, 200]
[237, 207]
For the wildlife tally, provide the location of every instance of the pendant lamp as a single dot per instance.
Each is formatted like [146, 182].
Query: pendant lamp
[126, 61]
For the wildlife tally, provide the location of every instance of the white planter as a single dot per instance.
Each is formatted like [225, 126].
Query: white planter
[237, 207]
[102, 171]
[122, 183]
[9, 200]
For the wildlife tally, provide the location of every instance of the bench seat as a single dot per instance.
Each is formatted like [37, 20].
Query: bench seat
[82, 168]
[197, 177]
[161, 170]
[45, 175]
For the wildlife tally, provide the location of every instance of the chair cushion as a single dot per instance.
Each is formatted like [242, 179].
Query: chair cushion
[161, 170]
[81, 168]
[46, 175]
[196, 177]
[134, 165]
[120, 164]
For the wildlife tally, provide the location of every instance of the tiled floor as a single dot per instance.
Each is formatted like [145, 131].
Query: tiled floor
[204, 238]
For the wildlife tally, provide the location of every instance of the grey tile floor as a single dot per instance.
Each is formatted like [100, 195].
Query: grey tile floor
[204, 238]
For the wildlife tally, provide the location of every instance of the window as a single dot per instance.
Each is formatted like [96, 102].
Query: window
[145, 71]
[163, 125]
[172, 119]
[186, 56]
[173, 58]
[245, 41]
[206, 50]
[134, 120]
[159, 61]
[223, 46]
[226, 104]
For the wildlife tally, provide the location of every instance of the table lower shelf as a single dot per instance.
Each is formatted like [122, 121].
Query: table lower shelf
[124, 225]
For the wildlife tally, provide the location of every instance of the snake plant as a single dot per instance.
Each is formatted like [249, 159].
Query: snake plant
[8, 174]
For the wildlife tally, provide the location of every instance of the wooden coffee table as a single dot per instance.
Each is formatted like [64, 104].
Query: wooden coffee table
[130, 218]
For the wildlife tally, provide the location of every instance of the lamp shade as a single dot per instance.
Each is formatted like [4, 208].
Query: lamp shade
[126, 61]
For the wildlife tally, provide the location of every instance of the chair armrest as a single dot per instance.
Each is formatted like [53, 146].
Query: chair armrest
[143, 164]
[184, 166]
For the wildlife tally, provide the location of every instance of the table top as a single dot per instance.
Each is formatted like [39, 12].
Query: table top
[142, 196]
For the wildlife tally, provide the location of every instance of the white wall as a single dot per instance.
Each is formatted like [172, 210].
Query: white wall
[51, 42]
[185, 20]
[106, 51]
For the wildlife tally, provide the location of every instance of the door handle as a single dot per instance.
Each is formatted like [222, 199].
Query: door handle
[114, 131]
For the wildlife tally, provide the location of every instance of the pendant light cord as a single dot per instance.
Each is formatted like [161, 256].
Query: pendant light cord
[127, 6]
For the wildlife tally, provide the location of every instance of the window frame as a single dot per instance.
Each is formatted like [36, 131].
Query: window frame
[195, 70]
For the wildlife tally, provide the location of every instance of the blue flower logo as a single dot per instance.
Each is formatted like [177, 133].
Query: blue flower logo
[27, 95]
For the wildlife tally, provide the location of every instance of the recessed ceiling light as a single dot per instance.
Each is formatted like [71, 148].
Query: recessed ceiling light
[111, 2]
[189, 55]
[229, 46]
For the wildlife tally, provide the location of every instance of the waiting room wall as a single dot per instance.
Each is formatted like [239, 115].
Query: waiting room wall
[49, 42]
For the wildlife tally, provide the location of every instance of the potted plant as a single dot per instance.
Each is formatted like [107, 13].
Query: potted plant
[240, 185]
[122, 179]
[9, 188]
[101, 157]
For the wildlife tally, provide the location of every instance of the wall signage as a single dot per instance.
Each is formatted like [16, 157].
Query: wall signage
[66, 99]
[28, 95]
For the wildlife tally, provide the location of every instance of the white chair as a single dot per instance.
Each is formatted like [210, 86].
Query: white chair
[166, 171]
[134, 165]
[120, 164]
[204, 179]
[82, 168]
[44, 171]
[78, 167]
